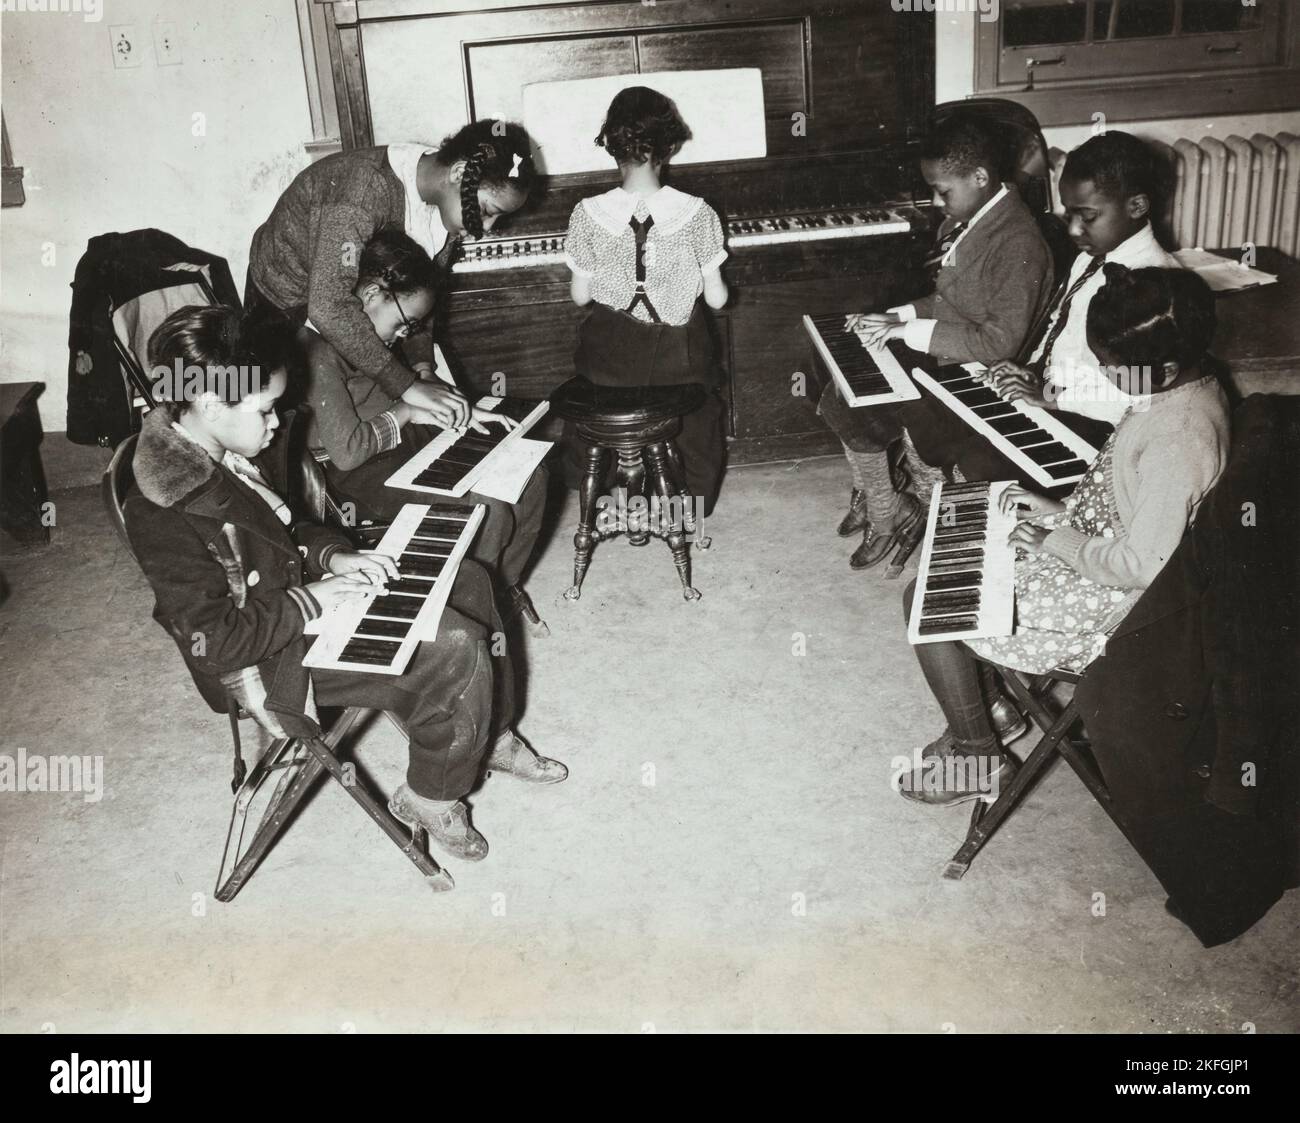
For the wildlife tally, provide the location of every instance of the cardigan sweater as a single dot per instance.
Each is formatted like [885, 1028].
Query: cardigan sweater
[306, 256]
[351, 420]
[991, 288]
[1166, 457]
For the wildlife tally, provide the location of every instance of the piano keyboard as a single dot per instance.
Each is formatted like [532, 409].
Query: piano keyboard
[1037, 443]
[965, 586]
[866, 376]
[532, 251]
[378, 633]
[815, 227]
[451, 462]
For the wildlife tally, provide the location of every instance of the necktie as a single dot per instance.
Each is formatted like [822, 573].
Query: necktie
[641, 228]
[1064, 314]
[934, 262]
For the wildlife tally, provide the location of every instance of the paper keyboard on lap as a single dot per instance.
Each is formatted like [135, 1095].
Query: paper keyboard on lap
[378, 632]
[865, 376]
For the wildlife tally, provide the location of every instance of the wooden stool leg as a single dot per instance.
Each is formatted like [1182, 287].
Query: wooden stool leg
[584, 541]
[631, 469]
[660, 472]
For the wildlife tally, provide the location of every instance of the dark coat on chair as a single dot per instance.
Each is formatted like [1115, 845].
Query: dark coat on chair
[227, 576]
[114, 269]
[1193, 710]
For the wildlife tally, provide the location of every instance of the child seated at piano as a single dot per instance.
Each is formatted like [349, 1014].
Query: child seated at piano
[362, 434]
[1083, 563]
[642, 255]
[993, 278]
[1107, 189]
[237, 576]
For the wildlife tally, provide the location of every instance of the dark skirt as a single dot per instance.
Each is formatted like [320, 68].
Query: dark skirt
[617, 349]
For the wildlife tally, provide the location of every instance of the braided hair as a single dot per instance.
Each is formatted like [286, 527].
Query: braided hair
[1149, 317]
[497, 155]
[642, 125]
[397, 263]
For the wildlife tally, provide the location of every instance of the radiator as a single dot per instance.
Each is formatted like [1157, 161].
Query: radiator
[1229, 192]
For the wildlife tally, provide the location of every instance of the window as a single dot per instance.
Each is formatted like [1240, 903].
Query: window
[1067, 59]
[13, 193]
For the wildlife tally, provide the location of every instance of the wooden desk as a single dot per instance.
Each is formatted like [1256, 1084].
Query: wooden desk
[1259, 329]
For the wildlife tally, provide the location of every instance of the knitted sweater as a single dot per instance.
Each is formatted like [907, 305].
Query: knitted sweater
[1165, 459]
[307, 253]
[351, 420]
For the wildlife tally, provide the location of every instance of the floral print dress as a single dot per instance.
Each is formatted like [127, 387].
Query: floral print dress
[1062, 618]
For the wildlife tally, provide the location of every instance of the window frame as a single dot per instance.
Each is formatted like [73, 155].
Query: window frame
[1177, 90]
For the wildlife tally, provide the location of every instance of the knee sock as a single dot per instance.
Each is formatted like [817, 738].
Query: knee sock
[855, 467]
[923, 476]
[872, 468]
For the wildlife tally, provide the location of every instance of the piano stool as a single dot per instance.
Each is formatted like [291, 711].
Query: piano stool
[639, 425]
[1062, 734]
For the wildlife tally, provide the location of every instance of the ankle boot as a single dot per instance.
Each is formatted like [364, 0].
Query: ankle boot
[857, 520]
[514, 758]
[447, 822]
[881, 537]
[953, 772]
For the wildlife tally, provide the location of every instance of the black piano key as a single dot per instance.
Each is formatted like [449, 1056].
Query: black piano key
[456, 511]
[978, 396]
[1069, 468]
[962, 579]
[1053, 453]
[1006, 425]
[950, 601]
[433, 476]
[967, 623]
[948, 561]
[372, 652]
[420, 566]
[398, 607]
[1002, 409]
[945, 537]
[1029, 439]
[375, 627]
[409, 586]
[954, 376]
[955, 491]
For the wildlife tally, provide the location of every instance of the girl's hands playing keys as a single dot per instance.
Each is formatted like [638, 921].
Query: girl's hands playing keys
[1030, 502]
[1012, 382]
[479, 419]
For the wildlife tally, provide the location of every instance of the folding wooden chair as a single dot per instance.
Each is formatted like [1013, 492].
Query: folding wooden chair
[1062, 734]
[298, 761]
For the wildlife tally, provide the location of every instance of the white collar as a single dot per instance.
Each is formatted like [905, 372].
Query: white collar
[1135, 250]
[423, 221]
[669, 208]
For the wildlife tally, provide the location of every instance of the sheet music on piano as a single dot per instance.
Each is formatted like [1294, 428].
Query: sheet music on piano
[378, 632]
[965, 584]
[866, 376]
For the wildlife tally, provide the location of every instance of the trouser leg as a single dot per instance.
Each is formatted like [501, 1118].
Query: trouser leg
[702, 447]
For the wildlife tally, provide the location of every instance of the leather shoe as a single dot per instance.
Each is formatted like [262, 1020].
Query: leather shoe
[857, 520]
[876, 544]
[513, 757]
[448, 826]
[949, 775]
[1008, 722]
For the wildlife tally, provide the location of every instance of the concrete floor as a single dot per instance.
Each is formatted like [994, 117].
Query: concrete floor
[726, 855]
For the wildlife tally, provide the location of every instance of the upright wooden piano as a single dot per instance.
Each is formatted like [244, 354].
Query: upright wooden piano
[847, 85]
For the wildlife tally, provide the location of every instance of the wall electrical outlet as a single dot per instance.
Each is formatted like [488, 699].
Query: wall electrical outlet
[166, 44]
[125, 43]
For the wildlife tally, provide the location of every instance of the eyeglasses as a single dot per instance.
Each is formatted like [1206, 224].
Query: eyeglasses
[408, 327]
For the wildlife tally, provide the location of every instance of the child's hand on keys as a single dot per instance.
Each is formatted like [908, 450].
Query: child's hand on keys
[479, 416]
[1028, 538]
[1012, 382]
[373, 570]
[335, 591]
[869, 325]
[1031, 504]
[449, 407]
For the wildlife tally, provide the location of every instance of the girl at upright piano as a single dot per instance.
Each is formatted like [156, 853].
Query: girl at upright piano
[642, 256]
[1084, 562]
[237, 577]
